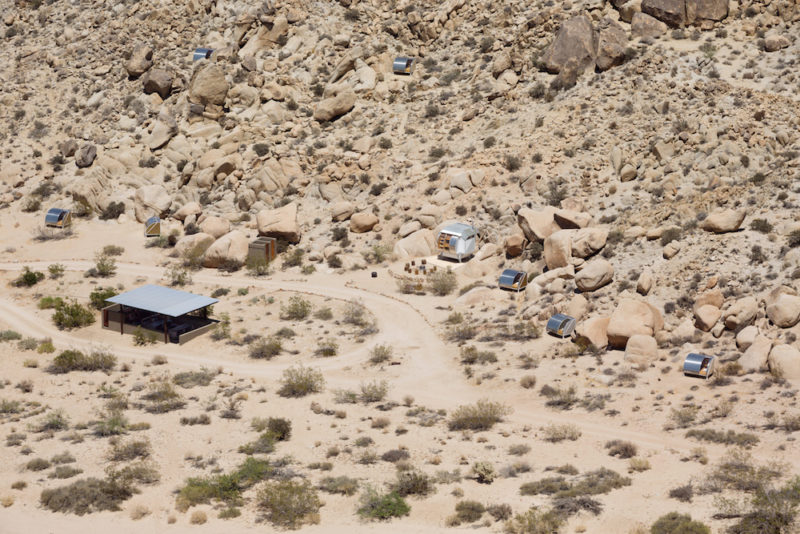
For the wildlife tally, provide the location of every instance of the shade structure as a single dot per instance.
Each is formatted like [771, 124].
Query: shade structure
[163, 300]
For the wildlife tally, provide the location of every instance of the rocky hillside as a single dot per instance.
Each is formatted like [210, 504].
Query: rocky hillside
[646, 130]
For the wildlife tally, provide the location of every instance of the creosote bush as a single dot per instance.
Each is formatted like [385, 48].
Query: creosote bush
[301, 381]
[442, 283]
[482, 415]
[87, 496]
[289, 504]
[75, 360]
[384, 506]
[675, 522]
[72, 314]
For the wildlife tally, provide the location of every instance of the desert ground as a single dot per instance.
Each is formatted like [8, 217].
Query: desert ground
[637, 160]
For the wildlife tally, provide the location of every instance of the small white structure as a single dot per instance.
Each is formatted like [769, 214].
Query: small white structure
[561, 325]
[457, 241]
[698, 365]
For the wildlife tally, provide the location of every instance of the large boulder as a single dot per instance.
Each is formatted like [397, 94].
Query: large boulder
[187, 210]
[611, 44]
[215, 226]
[141, 59]
[363, 222]
[420, 243]
[594, 275]
[741, 313]
[280, 223]
[558, 249]
[514, 244]
[230, 249]
[724, 221]
[209, 86]
[194, 245]
[645, 282]
[784, 361]
[756, 356]
[335, 106]
[746, 337]
[157, 81]
[672, 12]
[164, 129]
[641, 350]
[595, 330]
[151, 200]
[699, 11]
[342, 210]
[576, 42]
[706, 316]
[85, 155]
[713, 297]
[645, 26]
[633, 317]
[537, 225]
[784, 311]
[587, 241]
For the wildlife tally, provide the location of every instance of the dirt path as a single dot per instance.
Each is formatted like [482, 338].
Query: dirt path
[429, 369]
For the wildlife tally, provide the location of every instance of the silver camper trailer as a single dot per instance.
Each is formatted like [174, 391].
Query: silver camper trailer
[513, 280]
[457, 241]
[403, 65]
[58, 218]
[202, 53]
[561, 325]
[698, 365]
[152, 228]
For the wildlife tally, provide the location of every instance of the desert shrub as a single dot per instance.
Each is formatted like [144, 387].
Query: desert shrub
[10, 335]
[534, 522]
[111, 423]
[72, 314]
[500, 512]
[442, 283]
[130, 450]
[621, 449]
[569, 506]
[10, 406]
[289, 504]
[761, 225]
[395, 455]
[296, 310]
[471, 356]
[341, 485]
[545, 486]
[482, 415]
[519, 449]
[263, 444]
[56, 270]
[301, 381]
[62, 472]
[561, 398]
[374, 391]
[741, 439]
[266, 349]
[162, 397]
[99, 296]
[771, 510]
[683, 493]
[555, 433]
[293, 258]
[48, 303]
[737, 471]
[484, 472]
[75, 360]
[469, 511]
[190, 379]
[669, 235]
[675, 523]
[104, 266]
[684, 417]
[327, 348]
[177, 275]
[198, 517]
[354, 313]
[380, 354]
[28, 278]
[226, 488]
[37, 464]
[597, 482]
[382, 506]
[86, 496]
[202, 419]
[279, 428]
[142, 337]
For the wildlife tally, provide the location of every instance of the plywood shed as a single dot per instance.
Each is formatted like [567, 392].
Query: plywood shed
[202, 53]
[152, 228]
[698, 365]
[561, 325]
[262, 249]
[403, 65]
[457, 241]
[58, 218]
[156, 310]
[513, 280]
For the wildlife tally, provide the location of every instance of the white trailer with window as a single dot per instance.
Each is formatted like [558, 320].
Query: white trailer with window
[457, 241]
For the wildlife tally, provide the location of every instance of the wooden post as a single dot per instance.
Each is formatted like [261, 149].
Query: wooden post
[121, 319]
[164, 318]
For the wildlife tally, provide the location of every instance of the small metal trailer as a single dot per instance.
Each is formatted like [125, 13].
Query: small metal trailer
[698, 365]
[152, 228]
[202, 53]
[457, 241]
[58, 218]
[263, 249]
[404, 65]
[561, 325]
[513, 280]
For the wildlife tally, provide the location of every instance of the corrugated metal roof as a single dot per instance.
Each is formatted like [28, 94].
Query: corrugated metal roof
[460, 229]
[163, 300]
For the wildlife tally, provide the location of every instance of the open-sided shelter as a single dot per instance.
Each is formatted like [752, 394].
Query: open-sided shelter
[698, 365]
[152, 228]
[202, 53]
[58, 218]
[561, 325]
[457, 241]
[403, 65]
[178, 315]
[513, 280]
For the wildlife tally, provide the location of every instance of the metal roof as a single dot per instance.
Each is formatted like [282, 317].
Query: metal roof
[460, 229]
[694, 362]
[163, 300]
[508, 276]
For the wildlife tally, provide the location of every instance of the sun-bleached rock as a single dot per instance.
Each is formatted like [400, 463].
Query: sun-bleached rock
[633, 317]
